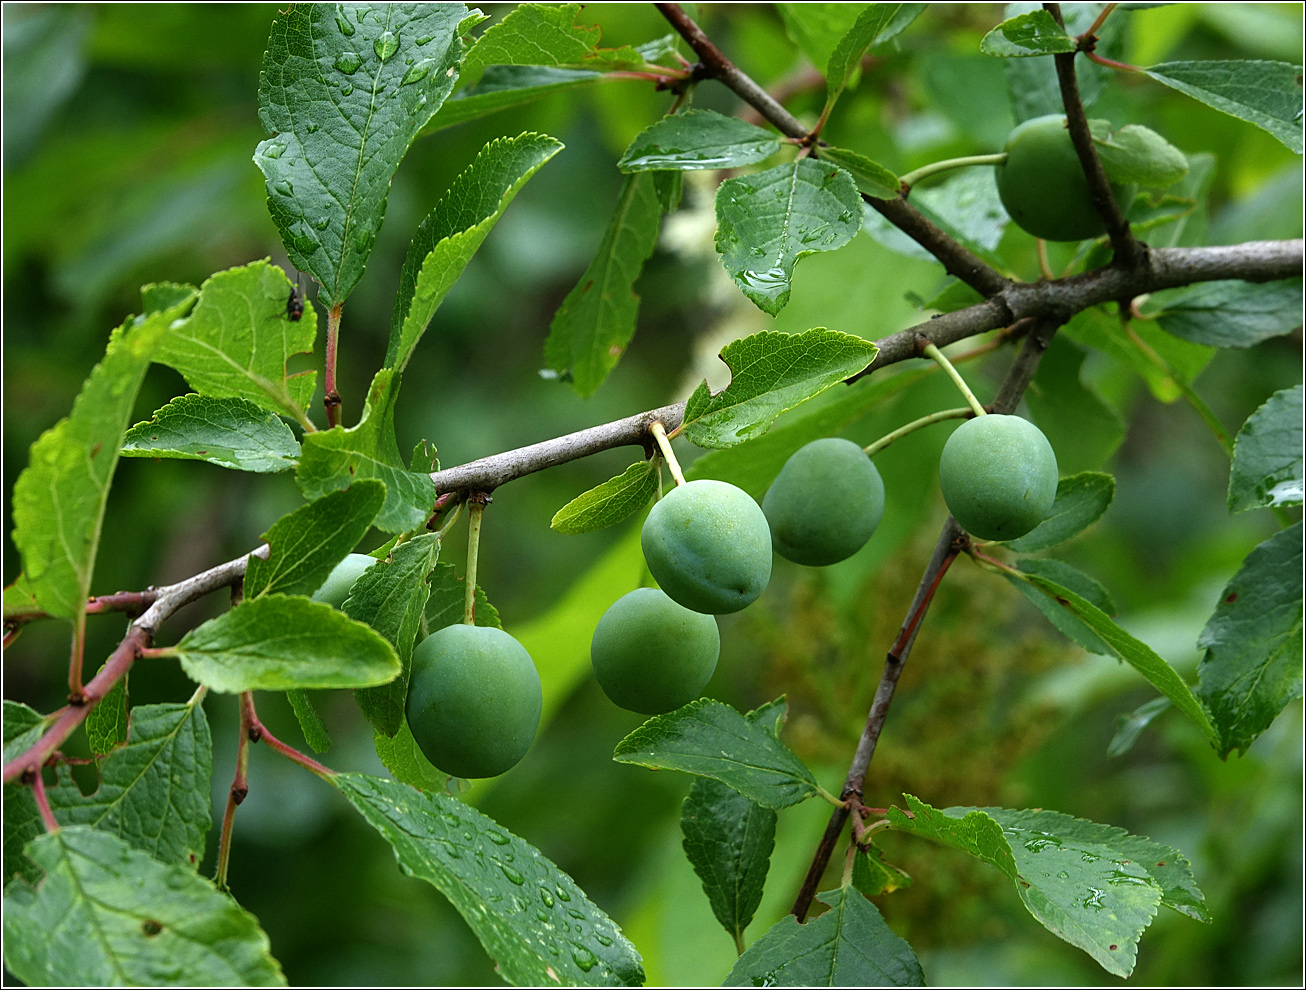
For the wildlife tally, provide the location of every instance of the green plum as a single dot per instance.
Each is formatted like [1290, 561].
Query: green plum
[998, 475]
[474, 700]
[1042, 183]
[708, 545]
[651, 655]
[825, 503]
[335, 589]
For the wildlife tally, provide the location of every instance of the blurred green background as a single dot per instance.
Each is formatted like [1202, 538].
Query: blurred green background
[128, 137]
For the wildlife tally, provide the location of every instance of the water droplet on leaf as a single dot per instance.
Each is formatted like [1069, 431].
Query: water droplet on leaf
[386, 44]
[348, 62]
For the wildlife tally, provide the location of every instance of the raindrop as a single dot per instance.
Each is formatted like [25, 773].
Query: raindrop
[498, 838]
[583, 958]
[283, 187]
[346, 89]
[305, 243]
[416, 72]
[562, 894]
[348, 62]
[342, 22]
[512, 875]
[274, 150]
[425, 39]
[546, 897]
[1093, 899]
[1063, 875]
[322, 223]
[386, 44]
[602, 939]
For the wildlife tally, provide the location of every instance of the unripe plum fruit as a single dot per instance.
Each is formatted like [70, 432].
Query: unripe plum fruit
[335, 589]
[1042, 184]
[825, 503]
[474, 700]
[708, 545]
[998, 475]
[651, 655]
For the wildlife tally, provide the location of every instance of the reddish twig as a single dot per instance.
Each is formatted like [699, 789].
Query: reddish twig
[331, 400]
[258, 732]
[239, 789]
[43, 803]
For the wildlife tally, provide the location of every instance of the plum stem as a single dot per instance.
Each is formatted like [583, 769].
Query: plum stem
[475, 509]
[664, 444]
[962, 412]
[915, 176]
[932, 351]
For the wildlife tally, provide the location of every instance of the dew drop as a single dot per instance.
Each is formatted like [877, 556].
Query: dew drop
[346, 89]
[602, 939]
[283, 187]
[274, 150]
[583, 958]
[562, 894]
[386, 44]
[348, 62]
[576, 914]
[305, 244]
[322, 223]
[547, 898]
[425, 39]
[416, 72]
[342, 22]
[512, 875]
[498, 838]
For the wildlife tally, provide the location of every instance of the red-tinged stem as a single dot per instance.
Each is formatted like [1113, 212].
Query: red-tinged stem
[43, 803]
[75, 691]
[239, 788]
[331, 401]
[1101, 19]
[258, 732]
[1111, 63]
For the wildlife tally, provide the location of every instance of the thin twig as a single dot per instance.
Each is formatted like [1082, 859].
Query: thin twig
[331, 400]
[43, 803]
[239, 789]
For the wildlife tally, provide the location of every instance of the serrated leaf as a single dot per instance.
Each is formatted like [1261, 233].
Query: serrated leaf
[59, 498]
[232, 433]
[710, 739]
[305, 545]
[310, 722]
[1083, 430]
[448, 597]
[1066, 623]
[609, 503]
[1033, 33]
[1135, 653]
[770, 373]
[106, 725]
[391, 597]
[343, 92]
[872, 178]
[878, 22]
[279, 642]
[848, 946]
[1231, 313]
[452, 232]
[155, 793]
[1252, 667]
[1267, 455]
[872, 876]
[237, 340]
[20, 600]
[505, 86]
[1081, 500]
[406, 762]
[768, 221]
[334, 459]
[1075, 877]
[489, 875]
[1267, 94]
[698, 139]
[1135, 153]
[540, 34]
[1032, 82]
[23, 726]
[108, 915]
[596, 320]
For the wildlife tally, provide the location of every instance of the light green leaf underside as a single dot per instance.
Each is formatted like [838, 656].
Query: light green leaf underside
[505, 86]
[237, 340]
[767, 221]
[1081, 501]
[871, 177]
[1253, 642]
[710, 739]
[1135, 153]
[108, 915]
[343, 91]
[305, 545]
[609, 503]
[451, 233]
[1267, 455]
[1034, 33]
[406, 762]
[59, 498]
[596, 320]
[548, 35]
[232, 433]
[279, 642]
[877, 23]
[698, 139]
[1267, 94]
[532, 919]
[771, 372]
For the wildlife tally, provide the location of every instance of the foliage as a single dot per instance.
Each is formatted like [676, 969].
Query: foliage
[666, 223]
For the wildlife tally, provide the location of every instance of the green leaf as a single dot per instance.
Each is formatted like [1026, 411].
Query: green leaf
[1032, 82]
[334, 459]
[1253, 642]
[59, 499]
[770, 373]
[1034, 33]
[505, 86]
[106, 725]
[20, 600]
[1137, 154]
[539, 34]
[534, 922]
[767, 221]
[710, 739]
[1129, 727]
[232, 433]
[872, 178]
[1083, 430]
[609, 503]
[279, 642]
[305, 545]
[872, 876]
[108, 915]
[1081, 501]
[1075, 877]
[817, 28]
[1231, 313]
[1267, 94]
[876, 23]
[596, 320]
[452, 232]
[406, 762]
[1097, 329]
[1267, 455]
[848, 946]
[310, 722]
[1135, 653]
[1068, 624]
[698, 139]
[966, 206]
[343, 92]
[448, 595]
[390, 597]
[23, 727]
[156, 792]
[237, 340]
